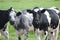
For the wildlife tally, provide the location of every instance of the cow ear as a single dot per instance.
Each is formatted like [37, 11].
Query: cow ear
[57, 8]
[36, 7]
[10, 9]
[18, 13]
[30, 11]
[42, 11]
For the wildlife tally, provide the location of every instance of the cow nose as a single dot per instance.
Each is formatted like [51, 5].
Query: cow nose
[37, 20]
[12, 22]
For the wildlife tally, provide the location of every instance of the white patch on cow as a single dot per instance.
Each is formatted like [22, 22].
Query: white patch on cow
[37, 34]
[48, 16]
[5, 34]
[27, 15]
[41, 8]
[36, 10]
[54, 8]
[59, 21]
[12, 9]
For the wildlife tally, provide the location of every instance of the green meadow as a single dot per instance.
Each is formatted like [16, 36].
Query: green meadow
[25, 4]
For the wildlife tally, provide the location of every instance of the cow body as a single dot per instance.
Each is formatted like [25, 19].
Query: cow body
[56, 10]
[43, 19]
[4, 18]
[23, 21]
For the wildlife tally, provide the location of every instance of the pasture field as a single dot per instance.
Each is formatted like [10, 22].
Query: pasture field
[25, 4]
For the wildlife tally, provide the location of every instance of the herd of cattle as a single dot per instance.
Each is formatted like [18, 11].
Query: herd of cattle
[42, 19]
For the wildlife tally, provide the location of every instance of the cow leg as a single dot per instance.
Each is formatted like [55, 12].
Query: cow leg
[0, 34]
[53, 35]
[45, 35]
[25, 34]
[37, 34]
[56, 33]
[50, 35]
[5, 33]
[18, 34]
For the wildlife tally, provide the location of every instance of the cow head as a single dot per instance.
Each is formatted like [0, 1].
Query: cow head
[37, 12]
[12, 15]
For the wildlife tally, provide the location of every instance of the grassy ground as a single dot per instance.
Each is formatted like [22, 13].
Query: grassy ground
[25, 4]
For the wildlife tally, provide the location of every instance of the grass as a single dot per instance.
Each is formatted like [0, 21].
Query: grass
[25, 4]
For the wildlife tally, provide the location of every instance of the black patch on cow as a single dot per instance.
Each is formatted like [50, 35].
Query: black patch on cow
[42, 11]
[18, 13]
[57, 8]
[54, 19]
[5, 27]
[30, 11]
[59, 15]
[51, 32]
[10, 9]
[19, 38]
[4, 17]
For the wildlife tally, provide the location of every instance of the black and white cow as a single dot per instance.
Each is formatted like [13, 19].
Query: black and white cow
[23, 21]
[56, 10]
[5, 16]
[46, 20]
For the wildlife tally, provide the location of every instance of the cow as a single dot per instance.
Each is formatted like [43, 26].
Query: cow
[4, 18]
[57, 11]
[46, 20]
[23, 21]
